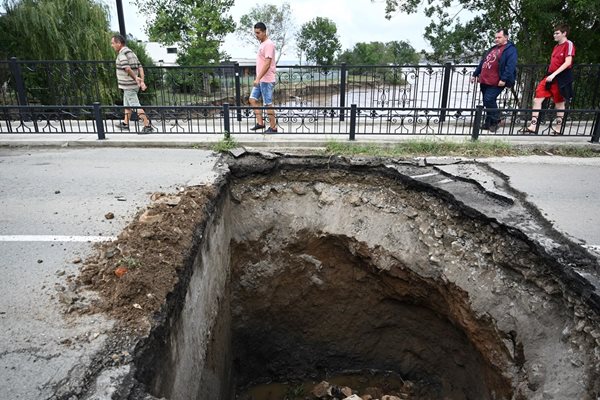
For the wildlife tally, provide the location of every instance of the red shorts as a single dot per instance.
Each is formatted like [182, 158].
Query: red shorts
[542, 93]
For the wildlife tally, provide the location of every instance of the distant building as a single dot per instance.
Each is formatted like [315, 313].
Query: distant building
[247, 65]
[161, 54]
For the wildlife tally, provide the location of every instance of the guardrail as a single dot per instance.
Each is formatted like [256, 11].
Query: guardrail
[336, 121]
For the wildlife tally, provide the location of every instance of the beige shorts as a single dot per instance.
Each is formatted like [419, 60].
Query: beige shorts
[130, 98]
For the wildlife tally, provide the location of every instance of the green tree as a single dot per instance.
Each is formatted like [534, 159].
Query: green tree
[318, 41]
[279, 21]
[198, 26]
[395, 52]
[55, 30]
[531, 23]
[401, 52]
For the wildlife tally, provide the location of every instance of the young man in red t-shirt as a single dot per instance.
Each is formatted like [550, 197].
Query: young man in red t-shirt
[558, 82]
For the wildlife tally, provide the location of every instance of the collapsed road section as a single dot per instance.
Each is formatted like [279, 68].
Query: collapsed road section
[292, 269]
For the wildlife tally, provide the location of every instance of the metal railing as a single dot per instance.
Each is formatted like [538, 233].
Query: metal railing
[217, 120]
[412, 86]
[365, 99]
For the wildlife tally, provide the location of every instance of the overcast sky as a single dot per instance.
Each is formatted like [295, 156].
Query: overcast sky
[356, 20]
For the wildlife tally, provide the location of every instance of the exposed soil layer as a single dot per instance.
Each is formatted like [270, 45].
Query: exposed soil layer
[339, 269]
[134, 274]
[345, 264]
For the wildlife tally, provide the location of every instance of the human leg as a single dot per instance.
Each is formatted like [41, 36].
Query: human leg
[541, 93]
[253, 100]
[556, 127]
[130, 99]
[490, 96]
[267, 93]
[537, 104]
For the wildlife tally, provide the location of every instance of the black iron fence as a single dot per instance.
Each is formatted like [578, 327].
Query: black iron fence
[347, 121]
[58, 96]
[412, 86]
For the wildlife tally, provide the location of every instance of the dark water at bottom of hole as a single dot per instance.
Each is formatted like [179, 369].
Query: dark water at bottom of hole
[387, 382]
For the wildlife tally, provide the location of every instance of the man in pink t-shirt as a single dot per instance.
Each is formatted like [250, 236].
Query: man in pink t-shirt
[558, 81]
[265, 80]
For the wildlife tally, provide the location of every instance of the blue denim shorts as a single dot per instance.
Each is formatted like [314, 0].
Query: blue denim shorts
[264, 90]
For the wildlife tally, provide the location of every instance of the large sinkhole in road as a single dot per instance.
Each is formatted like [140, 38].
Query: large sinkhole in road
[304, 273]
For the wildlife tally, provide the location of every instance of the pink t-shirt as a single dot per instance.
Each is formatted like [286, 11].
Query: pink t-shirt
[266, 51]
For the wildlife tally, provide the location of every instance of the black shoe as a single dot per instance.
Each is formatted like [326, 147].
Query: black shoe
[484, 127]
[271, 130]
[257, 127]
[146, 130]
[493, 128]
[123, 126]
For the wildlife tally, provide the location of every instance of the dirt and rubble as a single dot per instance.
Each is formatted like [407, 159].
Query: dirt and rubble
[131, 278]
[134, 274]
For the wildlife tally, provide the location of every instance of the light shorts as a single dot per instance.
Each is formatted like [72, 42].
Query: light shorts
[130, 98]
[264, 90]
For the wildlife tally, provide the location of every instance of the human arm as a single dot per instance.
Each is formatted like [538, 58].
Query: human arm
[263, 71]
[140, 78]
[508, 72]
[568, 62]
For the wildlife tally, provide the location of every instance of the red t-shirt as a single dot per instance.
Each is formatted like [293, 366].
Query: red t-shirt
[490, 69]
[559, 54]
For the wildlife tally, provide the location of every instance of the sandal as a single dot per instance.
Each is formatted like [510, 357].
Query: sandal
[528, 128]
[557, 123]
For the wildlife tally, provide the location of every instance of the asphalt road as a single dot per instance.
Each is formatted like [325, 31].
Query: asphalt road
[565, 190]
[52, 208]
[53, 204]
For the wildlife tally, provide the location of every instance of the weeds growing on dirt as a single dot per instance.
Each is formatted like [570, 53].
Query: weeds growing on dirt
[226, 144]
[467, 148]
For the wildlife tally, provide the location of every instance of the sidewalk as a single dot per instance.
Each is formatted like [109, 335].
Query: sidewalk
[260, 140]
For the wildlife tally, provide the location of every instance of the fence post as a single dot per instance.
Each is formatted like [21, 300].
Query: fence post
[445, 90]
[352, 122]
[99, 122]
[238, 90]
[596, 131]
[343, 72]
[597, 90]
[477, 123]
[15, 69]
[226, 126]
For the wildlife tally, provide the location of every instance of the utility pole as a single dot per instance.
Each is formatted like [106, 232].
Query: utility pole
[121, 19]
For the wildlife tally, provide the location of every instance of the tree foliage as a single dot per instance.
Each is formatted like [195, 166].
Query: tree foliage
[55, 30]
[378, 53]
[530, 21]
[318, 41]
[198, 26]
[280, 23]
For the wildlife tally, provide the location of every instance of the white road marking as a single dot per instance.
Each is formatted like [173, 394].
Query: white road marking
[445, 181]
[55, 238]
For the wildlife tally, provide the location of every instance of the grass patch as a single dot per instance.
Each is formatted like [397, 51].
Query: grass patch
[225, 144]
[467, 148]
